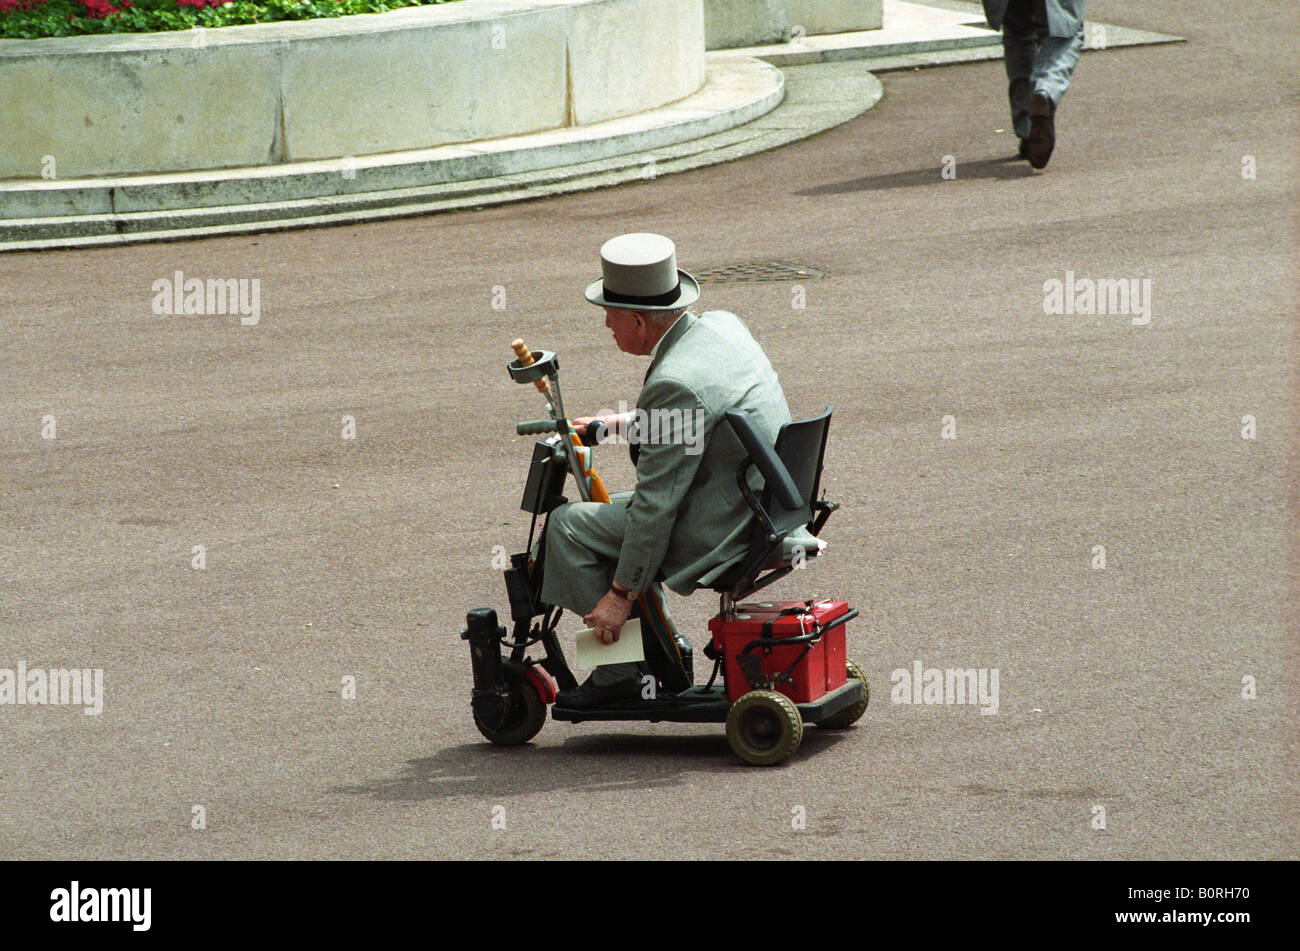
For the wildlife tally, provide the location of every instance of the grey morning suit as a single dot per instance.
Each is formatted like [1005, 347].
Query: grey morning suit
[1041, 40]
[686, 518]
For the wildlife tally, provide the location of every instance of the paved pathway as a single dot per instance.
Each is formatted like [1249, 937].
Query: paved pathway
[327, 558]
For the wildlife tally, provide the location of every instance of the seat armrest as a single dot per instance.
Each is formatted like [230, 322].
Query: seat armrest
[822, 510]
[775, 475]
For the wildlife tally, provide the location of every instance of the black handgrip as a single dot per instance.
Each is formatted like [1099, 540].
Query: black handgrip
[775, 475]
[534, 427]
[595, 432]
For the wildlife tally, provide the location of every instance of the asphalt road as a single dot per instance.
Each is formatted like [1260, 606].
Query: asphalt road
[1120, 687]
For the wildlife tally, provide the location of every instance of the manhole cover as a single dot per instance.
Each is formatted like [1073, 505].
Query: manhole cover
[765, 271]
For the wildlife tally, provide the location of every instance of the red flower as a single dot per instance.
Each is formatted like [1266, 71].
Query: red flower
[98, 9]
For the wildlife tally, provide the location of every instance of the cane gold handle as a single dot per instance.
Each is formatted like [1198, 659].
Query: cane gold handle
[526, 359]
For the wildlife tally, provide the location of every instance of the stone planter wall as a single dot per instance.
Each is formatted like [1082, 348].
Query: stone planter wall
[282, 92]
[734, 23]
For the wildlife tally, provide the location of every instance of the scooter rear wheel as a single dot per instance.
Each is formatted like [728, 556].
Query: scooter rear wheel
[524, 718]
[851, 714]
[764, 727]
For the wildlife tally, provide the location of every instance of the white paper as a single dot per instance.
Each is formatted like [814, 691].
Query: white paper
[627, 649]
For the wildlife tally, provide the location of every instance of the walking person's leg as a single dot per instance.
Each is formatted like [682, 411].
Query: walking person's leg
[1053, 67]
[1020, 50]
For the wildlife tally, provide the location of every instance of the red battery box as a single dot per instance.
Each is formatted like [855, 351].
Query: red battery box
[821, 670]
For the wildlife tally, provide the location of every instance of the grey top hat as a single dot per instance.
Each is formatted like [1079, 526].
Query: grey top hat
[640, 272]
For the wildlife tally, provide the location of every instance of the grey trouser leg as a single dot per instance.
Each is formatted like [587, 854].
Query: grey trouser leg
[1054, 65]
[1020, 49]
[583, 542]
[1044, 63]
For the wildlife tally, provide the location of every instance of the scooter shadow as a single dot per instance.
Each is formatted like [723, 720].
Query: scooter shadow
[592, 763]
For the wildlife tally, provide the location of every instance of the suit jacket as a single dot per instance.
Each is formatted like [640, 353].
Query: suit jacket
[686, 516]
[1064, 17]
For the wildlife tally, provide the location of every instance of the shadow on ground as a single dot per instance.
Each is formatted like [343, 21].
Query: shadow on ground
[1008, 167]
[582, 764]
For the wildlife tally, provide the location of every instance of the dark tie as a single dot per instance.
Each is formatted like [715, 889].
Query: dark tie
[634, 448]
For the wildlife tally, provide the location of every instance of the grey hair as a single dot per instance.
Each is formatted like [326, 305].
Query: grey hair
[663, 318]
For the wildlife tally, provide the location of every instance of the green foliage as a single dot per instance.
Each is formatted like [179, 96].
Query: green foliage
[71, 17]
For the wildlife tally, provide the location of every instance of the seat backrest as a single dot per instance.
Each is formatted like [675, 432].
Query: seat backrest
[801, 447]
[792, 471]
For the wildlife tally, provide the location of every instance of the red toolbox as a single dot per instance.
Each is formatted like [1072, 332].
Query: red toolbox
[822, 669]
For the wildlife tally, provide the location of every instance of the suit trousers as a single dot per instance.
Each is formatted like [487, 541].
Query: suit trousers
[1041, 62]
[583, 541]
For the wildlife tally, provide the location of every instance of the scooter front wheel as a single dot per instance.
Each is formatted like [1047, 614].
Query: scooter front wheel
[524, 718]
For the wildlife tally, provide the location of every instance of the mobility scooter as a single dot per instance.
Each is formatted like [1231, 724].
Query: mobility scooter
[783, 664]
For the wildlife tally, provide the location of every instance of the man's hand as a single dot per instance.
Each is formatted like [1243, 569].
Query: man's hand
[608, 617]
[614, 422]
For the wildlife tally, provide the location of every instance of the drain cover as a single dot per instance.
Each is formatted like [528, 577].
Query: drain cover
[764, 271]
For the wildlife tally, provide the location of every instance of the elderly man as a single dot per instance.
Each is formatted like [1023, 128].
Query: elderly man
[686, 520]
[1041, 41]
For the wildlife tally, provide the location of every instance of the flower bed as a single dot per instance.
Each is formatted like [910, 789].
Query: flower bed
[33, 19]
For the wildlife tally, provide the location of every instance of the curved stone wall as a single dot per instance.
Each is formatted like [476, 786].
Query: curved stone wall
[282, 92]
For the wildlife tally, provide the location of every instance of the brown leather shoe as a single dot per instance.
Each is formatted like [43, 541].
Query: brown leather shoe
[1042, 130]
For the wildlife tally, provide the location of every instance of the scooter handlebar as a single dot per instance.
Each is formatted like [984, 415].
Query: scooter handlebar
[535, 427]
[594, 433]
